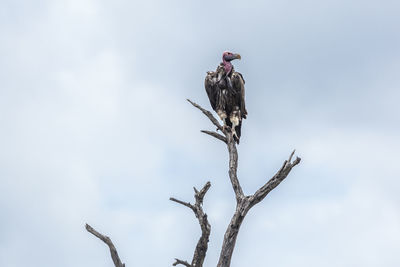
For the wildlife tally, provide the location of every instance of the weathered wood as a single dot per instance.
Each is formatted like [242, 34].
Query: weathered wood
[284, 171]
[243, 203]
[233, 165]
[114, 254]
[202, 245]
[178, 261]
[216, 135]
[208, 114]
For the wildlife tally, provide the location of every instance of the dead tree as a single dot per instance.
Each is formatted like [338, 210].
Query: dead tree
[243, 203]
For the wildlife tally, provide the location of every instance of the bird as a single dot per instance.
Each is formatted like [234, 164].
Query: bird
[225, 90]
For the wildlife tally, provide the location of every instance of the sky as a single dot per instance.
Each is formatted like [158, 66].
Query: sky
[95, 128]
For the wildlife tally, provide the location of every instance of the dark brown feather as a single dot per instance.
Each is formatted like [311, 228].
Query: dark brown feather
[226, 98]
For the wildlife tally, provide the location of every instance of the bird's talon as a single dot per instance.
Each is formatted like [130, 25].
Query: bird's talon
[226, 128]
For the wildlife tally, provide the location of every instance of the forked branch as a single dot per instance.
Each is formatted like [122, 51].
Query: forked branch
[202, 244]
[233, 157]
[243, 203]
[275, 180]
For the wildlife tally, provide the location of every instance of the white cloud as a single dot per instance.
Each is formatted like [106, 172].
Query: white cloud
[95, 128]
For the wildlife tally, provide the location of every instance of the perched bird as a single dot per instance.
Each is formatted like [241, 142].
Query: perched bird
[225, 90]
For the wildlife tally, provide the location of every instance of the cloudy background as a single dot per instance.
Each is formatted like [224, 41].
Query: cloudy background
[94, 127]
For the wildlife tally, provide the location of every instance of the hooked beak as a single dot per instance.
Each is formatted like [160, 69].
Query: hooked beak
[231, 57]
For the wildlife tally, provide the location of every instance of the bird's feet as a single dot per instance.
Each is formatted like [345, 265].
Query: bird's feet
[235, 137]
[226, 128]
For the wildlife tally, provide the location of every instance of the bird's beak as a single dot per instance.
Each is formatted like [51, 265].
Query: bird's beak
[238, 56]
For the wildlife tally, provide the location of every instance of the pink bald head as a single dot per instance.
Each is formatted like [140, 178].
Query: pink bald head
[227, 57]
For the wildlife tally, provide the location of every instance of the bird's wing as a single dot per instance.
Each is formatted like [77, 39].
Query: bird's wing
[238, 84]
[210, 85]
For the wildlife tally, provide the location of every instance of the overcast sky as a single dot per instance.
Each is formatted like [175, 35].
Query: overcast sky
[94, 127]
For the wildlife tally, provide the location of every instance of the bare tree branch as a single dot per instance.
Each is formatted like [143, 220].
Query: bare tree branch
[246, 204]
[243, 203]
[232, 231]
[178, 261]
[200, 195]
[187, 204]
[233, 165]
[109, 243]
[274, 181]
[216, 135]
[202, 244]
[208, 114]
[233, 156]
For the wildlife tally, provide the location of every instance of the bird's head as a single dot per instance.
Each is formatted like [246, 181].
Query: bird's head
[229, 56]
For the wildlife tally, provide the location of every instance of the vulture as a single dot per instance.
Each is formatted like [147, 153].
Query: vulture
[225, 90]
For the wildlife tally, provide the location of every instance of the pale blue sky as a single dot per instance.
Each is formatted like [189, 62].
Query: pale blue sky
[94, 127]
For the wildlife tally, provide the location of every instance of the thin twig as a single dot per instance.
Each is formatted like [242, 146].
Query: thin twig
[216, 135]
[291, 155]
[178, 261]
[208, 114]
[243, 203]
[187, 204]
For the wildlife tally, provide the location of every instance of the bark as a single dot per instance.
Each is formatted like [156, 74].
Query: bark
[243, 203]
[202, 245]
[114, 254]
